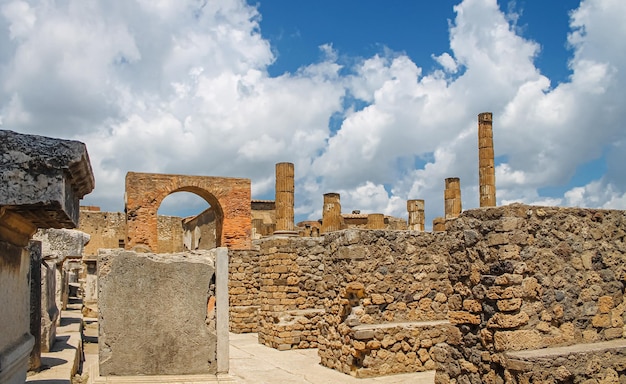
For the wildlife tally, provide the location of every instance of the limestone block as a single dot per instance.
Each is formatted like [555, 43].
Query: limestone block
[42, 178]
[49, 309]
[153, 317]
[59, 243]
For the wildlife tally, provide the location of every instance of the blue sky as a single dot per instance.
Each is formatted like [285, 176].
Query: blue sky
[374, 100]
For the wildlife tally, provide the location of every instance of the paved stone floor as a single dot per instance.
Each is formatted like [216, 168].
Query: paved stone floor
[251, 362]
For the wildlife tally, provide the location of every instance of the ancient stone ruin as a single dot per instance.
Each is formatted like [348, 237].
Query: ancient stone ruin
[509, 294]
[41, 182]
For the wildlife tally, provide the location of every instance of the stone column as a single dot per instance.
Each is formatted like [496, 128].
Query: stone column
[486, 165]
[452, 197]
[331, 214]
[375, 221]
[284, 199]
[439, 224]
[416, 214]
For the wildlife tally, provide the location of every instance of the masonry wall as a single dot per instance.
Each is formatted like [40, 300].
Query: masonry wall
[535, 277]
[386, 300]
[107, 230]
[170, 234]
[243, 290]
[290, 291]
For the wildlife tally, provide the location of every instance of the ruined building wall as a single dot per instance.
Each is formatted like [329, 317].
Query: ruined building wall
[170, 234]
[290, 291]
[199, 232]
[243, 290]
[106, 230]
[386, 301]
[535, 277]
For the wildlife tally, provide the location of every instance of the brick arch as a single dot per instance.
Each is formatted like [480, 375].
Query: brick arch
[229, 196]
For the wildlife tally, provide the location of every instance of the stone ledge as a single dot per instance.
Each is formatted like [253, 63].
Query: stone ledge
[617, 344]
[407, 324]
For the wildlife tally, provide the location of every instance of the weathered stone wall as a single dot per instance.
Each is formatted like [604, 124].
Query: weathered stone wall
[386, 300]
[290, 291]
[199, 231]
[107, 230]
[535, 277]
[156, 313]
[243, 290]
[170, 234]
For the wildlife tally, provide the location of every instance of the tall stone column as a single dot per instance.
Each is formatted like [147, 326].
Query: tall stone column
[452, 197]
[375, 221]
[331, 214]
[486, 165]
[284, 199]
[416, 214]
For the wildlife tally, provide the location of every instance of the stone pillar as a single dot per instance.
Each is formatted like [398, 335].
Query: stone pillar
[375, 221]
[331, 214]
[486, 165]
[452, 197]
[416, 214]
[34, 248]
[439, 224]
[284, 199]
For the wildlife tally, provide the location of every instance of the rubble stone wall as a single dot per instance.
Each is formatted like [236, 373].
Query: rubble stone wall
[290, 291]
[529, 278]
[243, 290]
[386, 301]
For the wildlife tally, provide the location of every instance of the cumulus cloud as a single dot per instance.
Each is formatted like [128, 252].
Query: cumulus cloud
[183, 87]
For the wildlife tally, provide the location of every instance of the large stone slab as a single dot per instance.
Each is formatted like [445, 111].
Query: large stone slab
[156, 313]
[42, 178]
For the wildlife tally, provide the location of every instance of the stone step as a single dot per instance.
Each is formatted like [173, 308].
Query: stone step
[63, 360]
[562, 363]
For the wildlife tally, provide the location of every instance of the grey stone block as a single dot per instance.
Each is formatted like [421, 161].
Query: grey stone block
[155, 313]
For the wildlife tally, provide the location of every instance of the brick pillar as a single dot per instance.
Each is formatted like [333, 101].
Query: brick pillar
[375, 221]
[486, 165]
[439, 224]
[452, 197]
[416, 214]
[284, 199]
[331, 214]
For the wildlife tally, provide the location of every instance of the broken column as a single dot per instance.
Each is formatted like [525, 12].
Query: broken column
[41, 182]
[284, 199]
[486, 165]
[416, 214]
[452, 198]
[375, 221]
[331, 214]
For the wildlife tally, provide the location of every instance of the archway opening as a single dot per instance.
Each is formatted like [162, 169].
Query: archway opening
[187, 222]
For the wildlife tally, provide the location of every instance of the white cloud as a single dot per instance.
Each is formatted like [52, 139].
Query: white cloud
[183, 87]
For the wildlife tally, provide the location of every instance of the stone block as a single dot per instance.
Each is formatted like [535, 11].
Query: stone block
[42, 178]
[153, 317]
